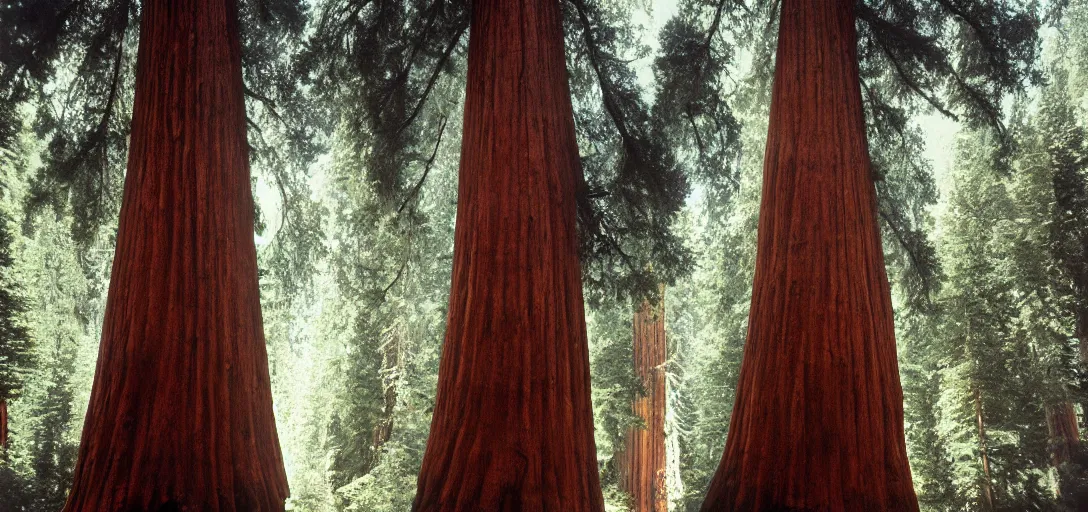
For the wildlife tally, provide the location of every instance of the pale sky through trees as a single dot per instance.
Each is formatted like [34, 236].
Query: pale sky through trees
[939, 131]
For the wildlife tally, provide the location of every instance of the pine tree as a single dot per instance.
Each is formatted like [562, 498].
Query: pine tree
[15, 345]
[1051, 187]
[54, 456]
[992, 370]
[1066, 146]
[42, 448]
[929, 456]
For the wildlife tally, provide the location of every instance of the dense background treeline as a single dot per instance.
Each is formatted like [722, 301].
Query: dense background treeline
[987, 252]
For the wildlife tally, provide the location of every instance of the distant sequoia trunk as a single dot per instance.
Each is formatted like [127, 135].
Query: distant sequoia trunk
[1063, 439]
[818, 419]
[641, 464]
[180, 414]
[513, 423]
[3, 423]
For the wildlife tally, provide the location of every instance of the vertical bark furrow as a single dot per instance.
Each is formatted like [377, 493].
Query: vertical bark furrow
[512, 426]
[181, 408]
[818, 420]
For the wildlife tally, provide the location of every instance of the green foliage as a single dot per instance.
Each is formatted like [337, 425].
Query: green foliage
[16, 349]
[634, 187]
[991, 385]
[44, 420]
[959, 68]
[615, 386]
[73, 62]
[929, 456]
[692, 70]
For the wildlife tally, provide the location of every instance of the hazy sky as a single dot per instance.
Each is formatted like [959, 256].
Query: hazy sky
[938, 131]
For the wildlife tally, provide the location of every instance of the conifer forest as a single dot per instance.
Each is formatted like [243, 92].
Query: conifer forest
[544, 255]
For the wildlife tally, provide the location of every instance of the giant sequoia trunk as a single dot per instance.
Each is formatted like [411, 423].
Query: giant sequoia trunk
[641, 464]
[818, 420]
[513, 427]
[180, 415]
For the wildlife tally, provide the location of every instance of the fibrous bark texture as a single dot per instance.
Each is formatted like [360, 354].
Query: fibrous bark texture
[513, 427]
[641, 465]
[180, 415]
[818, 419]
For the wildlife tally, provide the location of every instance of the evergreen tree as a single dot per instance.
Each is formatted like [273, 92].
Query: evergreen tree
[708, 331]
[867, 468]
[15, 345]
[929, 455]
[1066, 147]
[1052, 191]
[54, 453]
[74, 63]
[42, 448]
[615, 387]
[994, 423]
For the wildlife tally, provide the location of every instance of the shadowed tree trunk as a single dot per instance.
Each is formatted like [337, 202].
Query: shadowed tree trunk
[1061, 422]
[1081, 335]
[986, 498]
[180, 415]
[1064, 436]
[513, 426]
[641, 465]
[390, 372]
[818, 419]
[3, 423]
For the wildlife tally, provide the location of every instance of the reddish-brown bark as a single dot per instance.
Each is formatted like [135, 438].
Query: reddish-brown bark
[180, 415]
[1064, 436]
[3, 423]
[641, 464]
[818, 420]
[1061, 423]
[513, 427]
